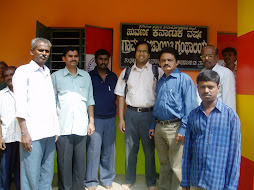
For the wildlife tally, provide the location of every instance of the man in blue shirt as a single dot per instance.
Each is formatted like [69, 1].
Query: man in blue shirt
[212, 148]
[175, 99]
[101, 145]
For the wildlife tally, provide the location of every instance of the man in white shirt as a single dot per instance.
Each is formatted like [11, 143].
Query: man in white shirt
[36, 113]
[74, 97]
[227, 93]
[140, 99]
[9, 134]
[2, 82]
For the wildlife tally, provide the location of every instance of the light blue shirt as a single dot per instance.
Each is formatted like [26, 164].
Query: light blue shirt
[73, 96]
[176, 97]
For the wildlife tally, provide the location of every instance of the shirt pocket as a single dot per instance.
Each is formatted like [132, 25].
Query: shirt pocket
[171, 98]
[221, 137]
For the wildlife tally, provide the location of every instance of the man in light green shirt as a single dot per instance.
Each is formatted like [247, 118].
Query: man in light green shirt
[74, 97]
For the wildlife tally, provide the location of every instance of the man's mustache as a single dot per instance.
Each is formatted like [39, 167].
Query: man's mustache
[43, 56]
[166, 66]
[206, 94]
[208, 61]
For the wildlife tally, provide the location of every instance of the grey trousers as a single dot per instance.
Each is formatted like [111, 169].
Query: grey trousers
[71, 161]
[137, 125]
[170, 156]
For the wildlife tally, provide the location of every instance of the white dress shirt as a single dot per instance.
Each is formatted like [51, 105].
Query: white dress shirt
[227, 92]
[35, 100]
[73, 95]
[141, 86]
[10, 126]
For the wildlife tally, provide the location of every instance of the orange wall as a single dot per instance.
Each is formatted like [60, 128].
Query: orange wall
[18, 23]
[18, 20]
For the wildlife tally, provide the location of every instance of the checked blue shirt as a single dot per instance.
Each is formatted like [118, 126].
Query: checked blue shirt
[212, 149]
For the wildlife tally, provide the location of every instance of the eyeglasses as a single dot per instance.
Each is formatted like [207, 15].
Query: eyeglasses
[210, 56]
[142, 51]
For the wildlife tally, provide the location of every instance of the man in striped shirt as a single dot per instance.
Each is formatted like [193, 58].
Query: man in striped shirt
[212, 148]
[9, 134]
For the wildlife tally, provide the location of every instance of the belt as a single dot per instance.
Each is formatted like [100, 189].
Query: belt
[140, 109]
[165, 122]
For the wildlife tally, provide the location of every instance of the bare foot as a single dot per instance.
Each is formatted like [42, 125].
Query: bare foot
[92, 188]
[153, 188]
[126, 186]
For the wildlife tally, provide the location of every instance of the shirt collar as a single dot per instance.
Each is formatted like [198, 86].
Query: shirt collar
[145, 66]
[36, 67]
[96, 71]
[7, 90]
[218, 106]
[66, 72]
[174, 74]
[215, 66]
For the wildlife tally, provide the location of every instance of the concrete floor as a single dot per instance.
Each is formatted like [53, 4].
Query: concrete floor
[119, 180]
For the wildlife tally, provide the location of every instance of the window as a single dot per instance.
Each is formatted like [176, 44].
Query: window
[62, 38]
[87, 40]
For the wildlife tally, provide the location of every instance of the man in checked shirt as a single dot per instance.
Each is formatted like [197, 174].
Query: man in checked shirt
[212, 147]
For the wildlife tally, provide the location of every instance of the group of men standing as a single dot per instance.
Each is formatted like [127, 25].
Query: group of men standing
[162, 107]
[77, 112]
[60, 109]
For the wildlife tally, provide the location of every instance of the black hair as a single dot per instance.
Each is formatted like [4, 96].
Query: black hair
[101, 52]
[3, 63]
[143, 42]
[171, 51]
[229, 49]
[7, 68]
[208, 75]
[69, 48]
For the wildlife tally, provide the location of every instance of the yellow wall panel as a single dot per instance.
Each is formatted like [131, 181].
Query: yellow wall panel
[245, 16]
[245, 107]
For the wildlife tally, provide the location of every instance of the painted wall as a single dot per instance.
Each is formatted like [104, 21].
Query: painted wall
[18, 22]
[245, 96]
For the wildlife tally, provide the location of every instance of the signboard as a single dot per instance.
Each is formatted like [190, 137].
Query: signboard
[187, 40]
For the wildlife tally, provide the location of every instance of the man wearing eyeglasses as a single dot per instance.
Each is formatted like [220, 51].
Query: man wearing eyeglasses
[140, 99]
[227, 92]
